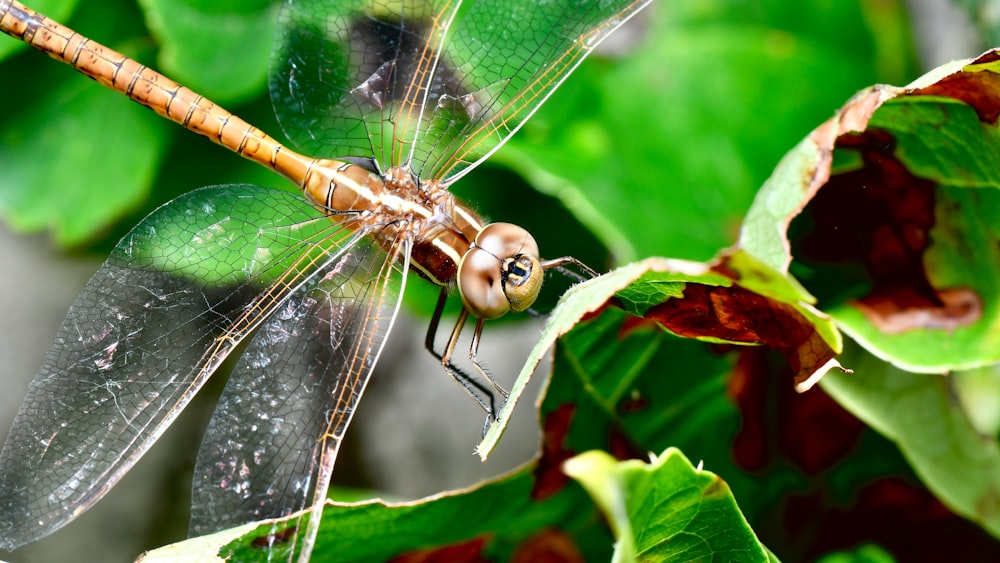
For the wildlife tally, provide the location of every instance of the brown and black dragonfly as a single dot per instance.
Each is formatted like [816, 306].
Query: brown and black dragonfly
[395, 101]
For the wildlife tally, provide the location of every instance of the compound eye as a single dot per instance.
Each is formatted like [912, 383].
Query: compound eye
[500, 271]
[521, 279]
[479, 284]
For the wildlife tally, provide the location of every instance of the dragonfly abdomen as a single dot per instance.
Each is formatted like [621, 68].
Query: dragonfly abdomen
[151, 89]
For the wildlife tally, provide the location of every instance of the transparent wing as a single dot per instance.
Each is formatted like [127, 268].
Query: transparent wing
[374, 77]
[349, 78]
[171, 302]
[270, 448]
[511, 55]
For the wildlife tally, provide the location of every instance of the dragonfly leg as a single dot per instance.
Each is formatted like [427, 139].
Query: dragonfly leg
[473, 355]
[560, 263]
[480, 394]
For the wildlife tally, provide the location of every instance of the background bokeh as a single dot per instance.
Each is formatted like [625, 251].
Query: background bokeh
[726, 88]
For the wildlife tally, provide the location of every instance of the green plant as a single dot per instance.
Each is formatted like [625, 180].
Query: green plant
[660, 152]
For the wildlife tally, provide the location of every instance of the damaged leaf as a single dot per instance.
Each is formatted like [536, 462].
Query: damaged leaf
[817, 478]
[890, 215]
[740, 301]
[735, 300]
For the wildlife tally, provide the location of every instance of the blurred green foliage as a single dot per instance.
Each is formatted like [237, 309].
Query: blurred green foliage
[654, 148]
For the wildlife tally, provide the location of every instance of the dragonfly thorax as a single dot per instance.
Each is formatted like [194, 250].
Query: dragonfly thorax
[496, 267]
[339, 188]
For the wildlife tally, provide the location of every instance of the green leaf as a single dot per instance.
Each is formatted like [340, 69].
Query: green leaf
[933, 430]
[660, 152]
[76, 156]
[219, 49]
[500, 520]
[49, 143]
[666, 510]
[104, 149]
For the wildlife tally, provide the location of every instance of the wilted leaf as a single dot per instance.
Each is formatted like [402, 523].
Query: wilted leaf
[889, 210]
[741, 301]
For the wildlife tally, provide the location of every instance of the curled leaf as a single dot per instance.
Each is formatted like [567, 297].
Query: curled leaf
[888, 212]
[735, 299]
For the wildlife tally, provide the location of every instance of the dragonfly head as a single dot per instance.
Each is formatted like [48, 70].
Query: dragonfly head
[500, 272]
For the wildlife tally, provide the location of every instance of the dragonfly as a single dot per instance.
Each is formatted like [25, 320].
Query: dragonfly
[393, 101]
